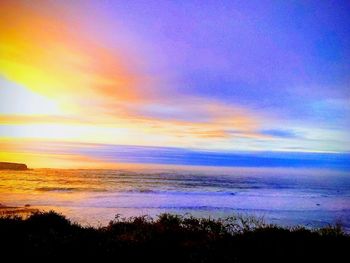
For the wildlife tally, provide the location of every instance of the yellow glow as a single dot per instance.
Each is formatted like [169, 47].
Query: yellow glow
[60, 86]
[17, 100]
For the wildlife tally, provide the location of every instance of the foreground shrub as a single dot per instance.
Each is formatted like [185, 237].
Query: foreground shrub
[169, 238]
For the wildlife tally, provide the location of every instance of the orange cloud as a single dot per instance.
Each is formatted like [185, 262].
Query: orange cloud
[44, 55]
[101, 97]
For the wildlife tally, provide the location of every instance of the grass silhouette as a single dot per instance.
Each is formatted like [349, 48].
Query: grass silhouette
[50, 236]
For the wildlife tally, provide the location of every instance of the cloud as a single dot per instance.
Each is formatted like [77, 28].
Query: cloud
[44, 55]
[105, 153]
[61, 81]
[91, 83]
[281, 133]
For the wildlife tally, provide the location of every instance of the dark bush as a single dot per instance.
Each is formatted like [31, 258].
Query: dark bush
[169, 238]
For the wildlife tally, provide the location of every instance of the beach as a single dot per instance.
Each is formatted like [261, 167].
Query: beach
[287, 197]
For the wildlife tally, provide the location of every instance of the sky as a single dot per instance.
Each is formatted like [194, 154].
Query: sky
[221, 83]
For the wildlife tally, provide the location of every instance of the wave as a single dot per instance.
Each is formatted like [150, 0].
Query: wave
[175, 192]
[69, 189]
[141, 191]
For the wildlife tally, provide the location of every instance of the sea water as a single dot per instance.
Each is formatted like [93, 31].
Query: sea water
[312, 198]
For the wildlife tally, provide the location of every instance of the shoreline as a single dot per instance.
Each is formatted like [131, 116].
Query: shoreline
[101, 216]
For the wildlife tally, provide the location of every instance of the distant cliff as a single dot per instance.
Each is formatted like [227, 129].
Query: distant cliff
[12, 166]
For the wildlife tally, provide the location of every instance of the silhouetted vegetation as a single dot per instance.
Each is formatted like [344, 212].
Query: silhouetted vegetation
[169, 238]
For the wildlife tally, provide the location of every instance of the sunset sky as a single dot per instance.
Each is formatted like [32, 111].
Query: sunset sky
[229, 83]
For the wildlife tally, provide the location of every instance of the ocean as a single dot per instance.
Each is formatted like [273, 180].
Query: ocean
[288, 197]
